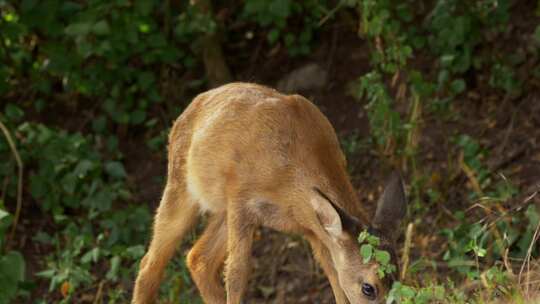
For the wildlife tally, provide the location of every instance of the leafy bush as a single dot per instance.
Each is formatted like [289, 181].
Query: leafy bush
[12, 264]
[114, 52]
[282, 16]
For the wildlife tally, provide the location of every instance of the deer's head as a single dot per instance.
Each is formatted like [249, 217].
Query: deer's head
[361, 282]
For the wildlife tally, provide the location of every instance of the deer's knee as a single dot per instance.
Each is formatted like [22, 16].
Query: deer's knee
[195, 262]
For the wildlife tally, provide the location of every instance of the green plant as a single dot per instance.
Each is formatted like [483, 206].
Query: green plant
[177, 286]
[85, 178]
[118, 55]
[280, 15]
[386, 124]
[369, 251]
[12, 263]
[455, 35]
[503, 77]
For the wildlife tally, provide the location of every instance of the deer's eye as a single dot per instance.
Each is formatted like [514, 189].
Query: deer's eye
[369, 291]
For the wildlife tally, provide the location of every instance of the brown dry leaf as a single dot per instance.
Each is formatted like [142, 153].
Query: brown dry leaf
[473, 95]
[64, 289]
[435, 178]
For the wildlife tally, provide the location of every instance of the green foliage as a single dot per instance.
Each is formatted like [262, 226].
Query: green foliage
[70, 173]
[386, 125]
[114, 52]
[456, 38]
[408, 295]
[71, 176]
[293, 23]
[456, 30]
[504, 78]
[12, 264]
[494, 278]
[369, 252]
[177, 287]
[383, 20]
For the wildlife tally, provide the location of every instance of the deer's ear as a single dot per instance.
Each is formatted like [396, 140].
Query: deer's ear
[391, 208]
[334, 219]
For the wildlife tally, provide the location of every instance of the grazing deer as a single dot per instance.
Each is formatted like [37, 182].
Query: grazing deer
[250, 156]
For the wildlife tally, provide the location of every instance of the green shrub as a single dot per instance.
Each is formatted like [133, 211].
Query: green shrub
[291, 22]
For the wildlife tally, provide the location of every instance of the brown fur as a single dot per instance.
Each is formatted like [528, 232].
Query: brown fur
[251, 156]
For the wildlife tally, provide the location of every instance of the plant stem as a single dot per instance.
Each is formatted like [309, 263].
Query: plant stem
[19, 182]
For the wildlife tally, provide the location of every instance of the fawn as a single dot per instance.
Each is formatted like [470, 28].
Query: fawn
[251, 156]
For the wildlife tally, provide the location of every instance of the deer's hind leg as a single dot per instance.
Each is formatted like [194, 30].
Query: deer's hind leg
[240, 229]
[206, 258]
[176, 214]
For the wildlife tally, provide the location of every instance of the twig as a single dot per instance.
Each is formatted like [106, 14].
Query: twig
[19, 182]
[470, 175]
[331, 13]
[527, 261]
[507, 133]
[517, 208]
[406, 251]
[502, 162]
[99, 294]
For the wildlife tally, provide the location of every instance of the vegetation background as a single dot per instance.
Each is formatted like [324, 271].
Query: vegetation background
[447, 90]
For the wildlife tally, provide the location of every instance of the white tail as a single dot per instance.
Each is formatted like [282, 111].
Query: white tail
[251, 157]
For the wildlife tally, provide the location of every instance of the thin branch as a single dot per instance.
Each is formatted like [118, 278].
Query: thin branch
[406, 251]
[19, 182]
[527, 261]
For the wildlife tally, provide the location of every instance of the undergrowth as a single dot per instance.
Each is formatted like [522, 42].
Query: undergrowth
[122, 66]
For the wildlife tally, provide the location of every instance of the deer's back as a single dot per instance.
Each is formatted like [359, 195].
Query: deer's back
[247, 140]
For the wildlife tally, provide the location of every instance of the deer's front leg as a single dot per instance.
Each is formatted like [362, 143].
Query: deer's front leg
[239, 243]
[323, 257]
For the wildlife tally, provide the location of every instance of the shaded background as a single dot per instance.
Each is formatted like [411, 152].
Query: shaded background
[446, 90]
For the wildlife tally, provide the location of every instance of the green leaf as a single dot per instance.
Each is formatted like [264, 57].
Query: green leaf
[83, 167]
[362, 237]
[12, 266]
[366, 251]
[447, 60]
[78, 29]
[115, 169]
[135, 252]
[114, 269]
[11, 274]
[69, 183]
[144, 7]
[99, 124]
[458, 86]
[101, 28]
[273, 36]
[144, 28]
[537, 34]
[382, 257]
[137, 117]
[146, 80]
[3, 214]
[49, 273]
[91, 256]
[280, 8]
[13, 112]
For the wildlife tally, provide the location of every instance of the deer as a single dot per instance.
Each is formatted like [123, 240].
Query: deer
[250, 156]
